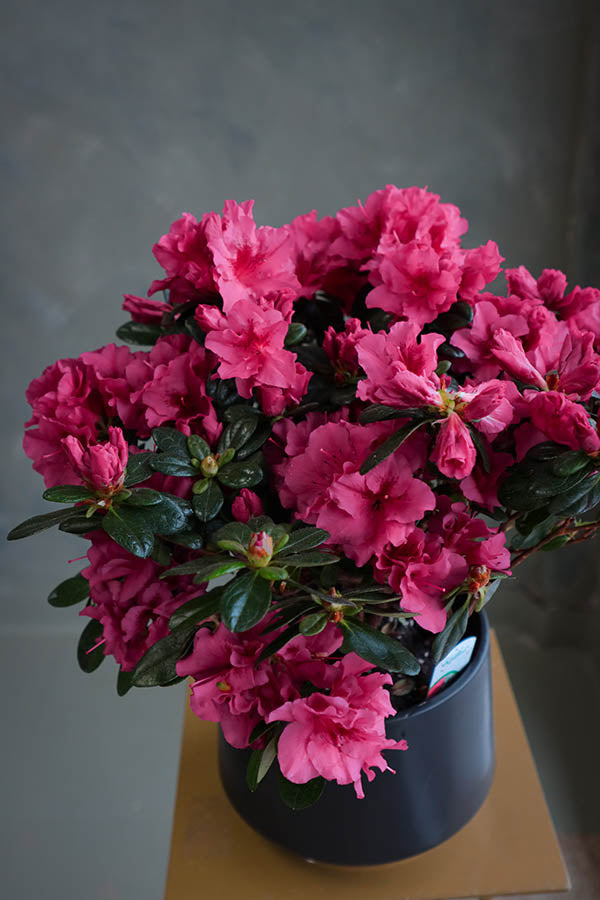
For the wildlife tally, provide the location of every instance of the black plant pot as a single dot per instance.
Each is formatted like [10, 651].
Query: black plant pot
[440, 781]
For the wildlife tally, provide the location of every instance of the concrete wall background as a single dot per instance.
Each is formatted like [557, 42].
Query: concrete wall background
[119, 115]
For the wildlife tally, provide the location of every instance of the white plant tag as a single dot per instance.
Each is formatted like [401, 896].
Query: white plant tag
[451, 665]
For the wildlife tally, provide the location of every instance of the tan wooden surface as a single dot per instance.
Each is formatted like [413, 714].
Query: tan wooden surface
[509, 847]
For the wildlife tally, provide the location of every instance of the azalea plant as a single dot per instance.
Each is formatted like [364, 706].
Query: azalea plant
[329, 448]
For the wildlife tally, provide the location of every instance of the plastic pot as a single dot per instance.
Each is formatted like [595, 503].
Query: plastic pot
[440, 781]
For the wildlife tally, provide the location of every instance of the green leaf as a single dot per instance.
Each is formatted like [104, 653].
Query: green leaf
[81, 524]
[295, 334]
[314, 623]
[143, 497]
[234, 531]
[165, 517]
[273, 573]
[380, 649]
[68, 593]
[161, 554]
[68, 493]
[175, 466]
[129, 533]
[531, 484]
[379, 413]
[237, 433]
[124, 682]
[262, 433]
[197, 446]
[310, 558]
[198, 609]
[302, 539]
[142, 333]
[191, 539]
[89, 659]
[578, 500]
[533, 537]
[138, 468]
[260, 762]
[452, 633]
[157, 666]
[171, 441]
[559, 541]
[40, 523]
[208, 504]
[570, 462]
[239, 475]
[264, 523]
[300, 796]
[245, 601]
[389, 446]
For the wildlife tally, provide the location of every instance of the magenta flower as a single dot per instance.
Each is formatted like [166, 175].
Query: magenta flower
[65, 400]
[481, 266]
[562, 420]
[426, 583]
[469, 536]
[341, 348]
[454, 452]
[100, 466]
[249, 342]
[482, 487]
[251, 263]
[246, 505]
[143, 310]
[476, 341]
[131, 602]
[185, 256]
[338, 735]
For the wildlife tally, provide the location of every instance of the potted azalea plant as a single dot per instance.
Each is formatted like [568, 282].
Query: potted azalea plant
[327, 446]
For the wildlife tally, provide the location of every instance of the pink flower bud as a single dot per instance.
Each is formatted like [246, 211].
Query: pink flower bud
[260, 548]
[100, 466]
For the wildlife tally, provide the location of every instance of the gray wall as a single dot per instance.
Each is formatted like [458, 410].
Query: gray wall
[118, 116]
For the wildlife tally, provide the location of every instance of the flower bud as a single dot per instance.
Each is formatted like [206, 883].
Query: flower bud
[209, 466]
[260, 549]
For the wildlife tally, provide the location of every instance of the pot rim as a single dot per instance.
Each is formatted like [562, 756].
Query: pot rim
[475, 663]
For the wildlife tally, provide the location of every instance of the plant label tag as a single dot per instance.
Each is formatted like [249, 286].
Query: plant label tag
[451, 665]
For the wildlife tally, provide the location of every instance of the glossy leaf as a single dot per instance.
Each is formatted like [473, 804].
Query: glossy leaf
[191, 539]
[68, 593]
[300, 796]
[452, 633]
[144, 334]
[208, 504]
[90, 654]
[310, 558]
[302, 539]
[245, 601]
[260, 762]
[379, 413]
[143, 497]
[171, 441]
[390, 446]
[129, 532]
[197, 446]
[68, 493]
[234, 531]
[124, 682]
[80, 524]
[198, 609]
[295, 334]
[314, 623]
[380, 649]
[40, 523]
[176, 466]
[238, 432]
[157, 666]
[138, 468]
[239, 475]
[262, 433]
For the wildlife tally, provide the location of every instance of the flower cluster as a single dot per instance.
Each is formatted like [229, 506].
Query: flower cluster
[341, 420]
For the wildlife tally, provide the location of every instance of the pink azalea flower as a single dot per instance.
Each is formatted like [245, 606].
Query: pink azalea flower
[426, 583]
[454, 452]
[249, 343]
[400, 369]
[100, 466]
[414, 280]
[389, 566]
[185, 256]
[130, 600]
[565, 360]
[65, 400]
[110, 364]
[144, 310]
[341, 348]
[174, 390]
[246, 505]
[361, 227]
[475, 342]
[251, 263]
[562, 420]
[338, 735]
[469, 536]
[227, 680]
[480, 267]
